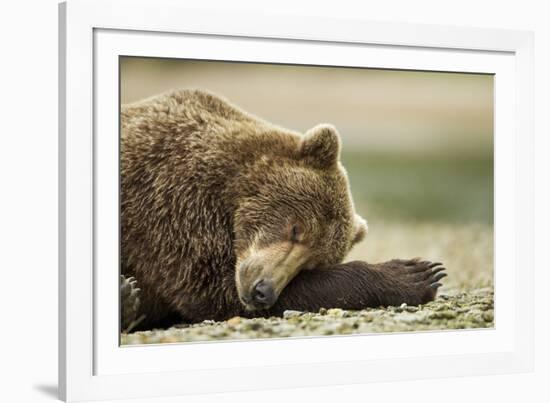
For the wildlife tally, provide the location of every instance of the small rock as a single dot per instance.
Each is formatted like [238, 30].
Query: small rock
[367, 316]
[488, 316]
[443, 315]
[409, 318]
[337, 313]
[234, 321]
[168, 339]
[323, 311]
[285, 329]
[292, 314]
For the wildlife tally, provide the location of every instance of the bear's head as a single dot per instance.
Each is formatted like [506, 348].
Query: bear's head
[296, 214]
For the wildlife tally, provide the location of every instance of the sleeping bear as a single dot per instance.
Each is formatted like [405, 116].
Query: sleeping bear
[224, 214]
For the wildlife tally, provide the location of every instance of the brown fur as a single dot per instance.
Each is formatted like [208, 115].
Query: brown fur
[357, 285]
[214, 199]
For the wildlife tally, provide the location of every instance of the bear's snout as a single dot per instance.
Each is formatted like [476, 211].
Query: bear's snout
[263, 294]
[261, 274]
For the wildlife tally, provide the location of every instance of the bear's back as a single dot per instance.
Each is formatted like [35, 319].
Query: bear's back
[181, 108]
[200, 128]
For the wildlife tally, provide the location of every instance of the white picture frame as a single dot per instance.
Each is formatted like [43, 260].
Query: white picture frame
[93, 34]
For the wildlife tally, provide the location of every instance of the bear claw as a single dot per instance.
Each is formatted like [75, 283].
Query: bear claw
[421, 277]
[437, 270]
[130, 302]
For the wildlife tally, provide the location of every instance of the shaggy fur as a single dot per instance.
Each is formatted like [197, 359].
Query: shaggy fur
[214, 200]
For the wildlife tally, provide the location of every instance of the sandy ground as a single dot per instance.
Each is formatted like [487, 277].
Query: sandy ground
[465, 301]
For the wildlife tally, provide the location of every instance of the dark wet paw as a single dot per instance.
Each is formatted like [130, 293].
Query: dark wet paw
[129, 302]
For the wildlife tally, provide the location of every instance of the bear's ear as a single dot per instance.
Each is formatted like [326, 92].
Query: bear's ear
[321, 146]
[360, 229]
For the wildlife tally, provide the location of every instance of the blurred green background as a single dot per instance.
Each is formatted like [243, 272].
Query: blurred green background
[418, 146]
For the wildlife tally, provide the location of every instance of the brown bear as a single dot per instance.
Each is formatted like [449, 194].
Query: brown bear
[224, 214]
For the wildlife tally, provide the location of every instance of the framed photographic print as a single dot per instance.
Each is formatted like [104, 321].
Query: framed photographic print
[258, 201]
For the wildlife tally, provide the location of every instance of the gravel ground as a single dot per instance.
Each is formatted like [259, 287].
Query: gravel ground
[456, 311]
[464, 302]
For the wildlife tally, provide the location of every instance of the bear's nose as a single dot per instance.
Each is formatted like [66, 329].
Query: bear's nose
[263, 294]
